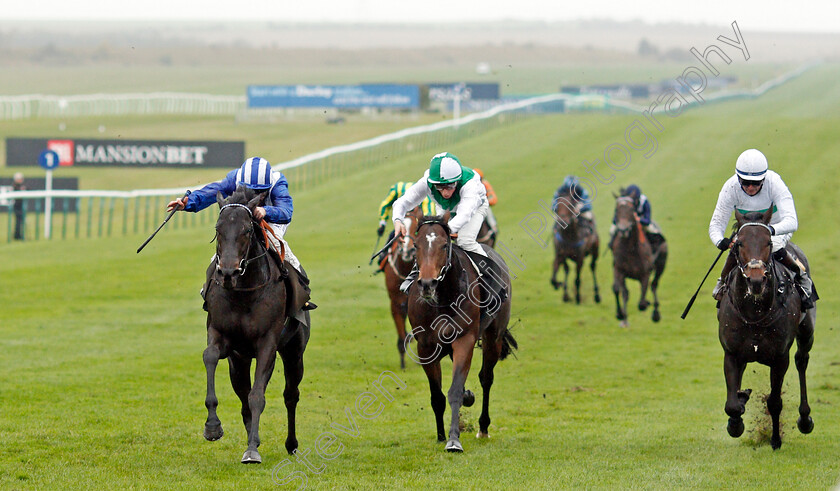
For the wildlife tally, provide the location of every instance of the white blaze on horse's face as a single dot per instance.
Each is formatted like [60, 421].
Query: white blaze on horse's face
[431, 238]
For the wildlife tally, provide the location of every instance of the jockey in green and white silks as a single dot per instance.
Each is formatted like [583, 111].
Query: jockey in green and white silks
[454, 188]
[754, 188]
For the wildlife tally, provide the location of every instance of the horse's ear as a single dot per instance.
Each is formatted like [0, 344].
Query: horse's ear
[615, 195]
[768, 214]
[256, 200]
[740, 218]
[220, 199]
[446, 216]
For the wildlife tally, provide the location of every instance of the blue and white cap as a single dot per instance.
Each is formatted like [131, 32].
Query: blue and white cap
[255, 173]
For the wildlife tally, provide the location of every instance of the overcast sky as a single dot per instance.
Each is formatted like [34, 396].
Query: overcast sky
[815, 16]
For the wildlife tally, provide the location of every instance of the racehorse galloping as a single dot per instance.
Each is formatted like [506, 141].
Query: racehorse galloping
[634, 258]
[246, 303]
[573, 241]
[398, 264]
[449, 310]
[759, 318]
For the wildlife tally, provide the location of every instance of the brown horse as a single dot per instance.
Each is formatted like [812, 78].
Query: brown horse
[633, 257]
[246, 319]
[486, 235]
[573, 240]
[450, 309]
[397, 265]
[759, 318]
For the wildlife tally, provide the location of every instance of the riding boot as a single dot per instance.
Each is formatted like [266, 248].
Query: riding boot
[304, 281]
[720, 287]
[406, 284]
[803, 280]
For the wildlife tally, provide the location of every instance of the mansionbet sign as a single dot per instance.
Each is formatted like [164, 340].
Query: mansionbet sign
[127, 153]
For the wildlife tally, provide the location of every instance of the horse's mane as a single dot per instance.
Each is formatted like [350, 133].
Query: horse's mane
[433, 219]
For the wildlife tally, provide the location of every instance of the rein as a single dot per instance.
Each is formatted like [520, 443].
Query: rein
[770, 272]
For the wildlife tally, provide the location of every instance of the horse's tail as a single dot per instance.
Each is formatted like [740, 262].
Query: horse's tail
[508, 345]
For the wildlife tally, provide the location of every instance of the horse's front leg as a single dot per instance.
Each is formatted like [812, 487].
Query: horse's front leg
[774, 401]
[555, 267]
[566, 297]
[592, 266]
[620, 289]
[266, 356]
[579, 266]
[804, 342]
[462, 350]
[736, 399]
[212, 427]
[240, 379]
[429, 357]
[398, 313]
[491, 351]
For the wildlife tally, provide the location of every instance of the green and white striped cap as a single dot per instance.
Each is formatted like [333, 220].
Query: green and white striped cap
[444, 169]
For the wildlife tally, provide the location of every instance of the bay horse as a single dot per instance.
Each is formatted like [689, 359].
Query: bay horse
[574, 242]
[450, 309]
[635, 258]
[759, 317]
[398, 263]
[486, 235]
[246, 319]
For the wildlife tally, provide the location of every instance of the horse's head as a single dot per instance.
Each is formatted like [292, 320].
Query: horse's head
[235, 230]
[434, 254]
[405, 246]
[625, 216]
[753, 247]
[567, 209]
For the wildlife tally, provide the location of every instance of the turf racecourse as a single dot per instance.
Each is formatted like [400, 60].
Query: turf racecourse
[103, 385]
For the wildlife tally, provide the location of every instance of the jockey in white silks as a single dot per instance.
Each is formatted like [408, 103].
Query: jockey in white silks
[454, 188]
[754, 188]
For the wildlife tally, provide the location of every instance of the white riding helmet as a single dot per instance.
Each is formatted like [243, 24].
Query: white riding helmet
[751, 165]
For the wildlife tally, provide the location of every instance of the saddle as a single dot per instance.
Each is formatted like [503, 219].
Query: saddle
[492, 277]
[297, 288]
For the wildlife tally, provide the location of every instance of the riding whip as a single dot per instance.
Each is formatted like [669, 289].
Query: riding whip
[694, 297]
[171, 213]
[378, 238]
[387, 245]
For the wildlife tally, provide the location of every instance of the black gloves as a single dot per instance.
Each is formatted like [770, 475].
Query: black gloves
[724, 243]
[380, 230]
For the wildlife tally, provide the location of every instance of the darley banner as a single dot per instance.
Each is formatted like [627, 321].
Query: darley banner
[126, 153]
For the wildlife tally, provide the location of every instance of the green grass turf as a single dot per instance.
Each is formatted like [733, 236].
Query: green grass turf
[103, 383]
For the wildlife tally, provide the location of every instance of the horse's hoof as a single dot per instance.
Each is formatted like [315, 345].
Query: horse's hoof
[643, 306]
[555, 284]
[291, 445]
[577, 300]
[805, 425]
[469, 398]
[213, 433]
[482, 434]
[656, 317]
[776, 442]
[597, 298]
[251, 457]
[735, 427]
[454, 446]
[623, 324]
[567, 298]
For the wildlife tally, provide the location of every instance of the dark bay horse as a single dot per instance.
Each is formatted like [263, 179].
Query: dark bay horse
[450, 309]
[398, 264]
[759, 318]
[574, 242]
[633, 257]
[246, 319]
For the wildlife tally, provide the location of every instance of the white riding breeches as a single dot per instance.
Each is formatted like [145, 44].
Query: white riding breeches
[468, 233]
[280, 230]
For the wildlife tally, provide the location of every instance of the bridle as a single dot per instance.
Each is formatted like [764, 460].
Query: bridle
[752, 263]
[625, 200]
[244, 262]
[448, 265]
